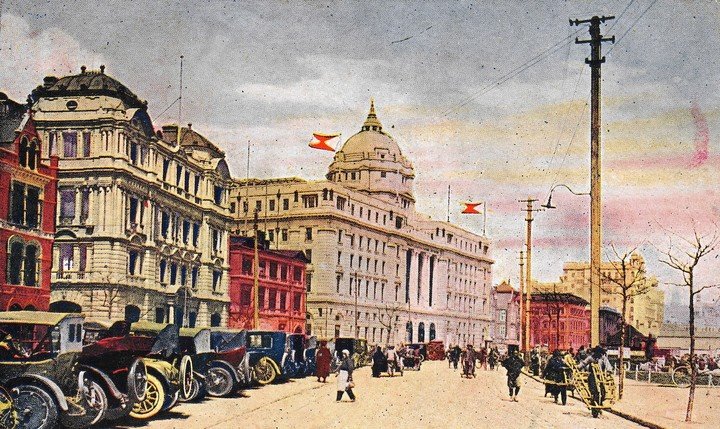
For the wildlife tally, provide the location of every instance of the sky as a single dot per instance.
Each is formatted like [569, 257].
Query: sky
[490, 98]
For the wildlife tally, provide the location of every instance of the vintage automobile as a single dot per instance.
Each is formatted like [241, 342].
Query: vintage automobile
[358, 350]
[311, 346]
[116, 355]
[169, 373]
[39, 365]
[231, 347]
[274, 354]
[216, 373]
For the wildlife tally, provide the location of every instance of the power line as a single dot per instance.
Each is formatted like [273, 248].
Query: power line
[631, 27]
[167, 108]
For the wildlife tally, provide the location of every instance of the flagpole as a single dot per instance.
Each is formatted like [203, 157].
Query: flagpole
[484, 217]
[448, 204]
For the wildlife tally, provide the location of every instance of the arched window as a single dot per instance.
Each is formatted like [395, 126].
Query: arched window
[132, 313]
[31, 265]
[421, 332]
[33, 153]
[163, 267]
[215, 319]
[409, 330]
[192, 319]
[15, 307]
[23, 152]
[65, 307]
[432, 331]
[15, 261]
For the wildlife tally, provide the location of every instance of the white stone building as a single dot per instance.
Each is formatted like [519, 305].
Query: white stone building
[142, 216]
[412, 279]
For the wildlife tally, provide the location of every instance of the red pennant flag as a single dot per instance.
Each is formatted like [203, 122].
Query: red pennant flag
[319, 140]
[471, 208]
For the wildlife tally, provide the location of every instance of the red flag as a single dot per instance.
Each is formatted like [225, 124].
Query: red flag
[319, 140]
[471, 208]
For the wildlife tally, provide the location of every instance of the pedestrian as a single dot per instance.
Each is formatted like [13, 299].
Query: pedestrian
[514, 365]
[596, 360]
[554, 375]
[391, 357]
[322, 361]
[344, 377]
[482, 358]
[456, 352]
[468, 359]
[379, 362]
[535, 362]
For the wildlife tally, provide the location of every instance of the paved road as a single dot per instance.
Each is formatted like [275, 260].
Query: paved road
[434, 397]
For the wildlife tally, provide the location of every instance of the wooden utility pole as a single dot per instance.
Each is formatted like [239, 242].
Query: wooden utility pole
[528, 265]
[521, 326]
[256, 269]
[595, 62]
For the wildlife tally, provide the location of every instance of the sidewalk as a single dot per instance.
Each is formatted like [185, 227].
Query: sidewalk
[665, 407]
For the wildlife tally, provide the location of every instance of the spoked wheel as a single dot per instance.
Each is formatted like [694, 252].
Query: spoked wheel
[186, 377]
[195, 390]
[153, 402]
[8, 412]
[97, 401]
[681, 376]
[264, 371]
[137, 380]
[218, 382]
[36, 408]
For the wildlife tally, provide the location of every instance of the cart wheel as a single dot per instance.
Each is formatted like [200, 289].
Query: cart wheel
[36, 408]
[218, 382]
[153, 402]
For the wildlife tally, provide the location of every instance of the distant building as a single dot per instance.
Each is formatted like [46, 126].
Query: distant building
[281, 287]
[559, 320]
[414, 279]
[675, 338]
[645, 312]
[506, 304]
[142, 214]
[27, 211]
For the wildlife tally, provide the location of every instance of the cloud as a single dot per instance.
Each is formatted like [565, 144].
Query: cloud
[29, 55]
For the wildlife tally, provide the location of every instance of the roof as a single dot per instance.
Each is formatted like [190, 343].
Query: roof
[370, 138]
[192, 332]
[35, 317]
[504, 287]
[562, 297]
[189, 138]
[94, 82]
[145, 326]
[11, 116]
[263, 246]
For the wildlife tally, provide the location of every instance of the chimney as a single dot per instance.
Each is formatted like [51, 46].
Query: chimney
[82, 69]
[102, 69]
[189, 126]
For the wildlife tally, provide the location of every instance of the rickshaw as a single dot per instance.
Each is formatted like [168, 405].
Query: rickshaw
[41, 371]
[596, 387]
[170, 374]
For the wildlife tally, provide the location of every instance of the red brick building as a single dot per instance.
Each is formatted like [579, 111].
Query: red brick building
[559, 320]
[28, 189]
[281, 287]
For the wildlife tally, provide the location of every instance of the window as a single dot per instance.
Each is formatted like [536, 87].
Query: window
[310, 201]
[271, 205]
[173, 273]
[219, 192]
[163, 268]
[340, 203]
[383, 174]
[15, 261]
[178, 175]
[196, 234]
[66, 257]
[295, 196]
[337, 285]
[338, 258]
[133, 153]
[216, 239]
[283, 300]
[183, 275]
[308, 282]
[271, 235]
[246, 296]
[273, 269]
[258, 205]
[283, 272]
[25, 205]
[216, 278]
[247, 264]
[70, 144]
[297, 302]
[308, 234]
[297, 274]
[67, 205]
[132, 262]
[286, 204]
[261, 297]
[84, 205]
[284, 234]
[308, 255]
[186, 231]
[164, 224]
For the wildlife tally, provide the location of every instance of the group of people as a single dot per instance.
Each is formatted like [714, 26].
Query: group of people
[345, 383]
[387, 360]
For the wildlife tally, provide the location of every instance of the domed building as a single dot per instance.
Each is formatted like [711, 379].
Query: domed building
[142, 215]
[378, 269]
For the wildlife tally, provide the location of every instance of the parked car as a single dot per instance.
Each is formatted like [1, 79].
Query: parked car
[231, 347]
[169, 373]
[295, 362]
[116, 355]
[40, 368]
[274, 354]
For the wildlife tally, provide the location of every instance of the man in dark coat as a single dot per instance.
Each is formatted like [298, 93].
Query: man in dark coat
[469, 358]
[455, 356]
[379, 362]
[322, 361]
[514, 366]
[554, 375]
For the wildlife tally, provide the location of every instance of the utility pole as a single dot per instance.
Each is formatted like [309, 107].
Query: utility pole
[595, 62]
[256, 269]
[357, 284]
[522, 296]
[528, 265]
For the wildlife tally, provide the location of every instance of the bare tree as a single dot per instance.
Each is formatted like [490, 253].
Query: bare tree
[686, 259]
[626, 280]
[389, 318]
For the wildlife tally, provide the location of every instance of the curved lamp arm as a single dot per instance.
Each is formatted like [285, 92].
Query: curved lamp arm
[549, 205]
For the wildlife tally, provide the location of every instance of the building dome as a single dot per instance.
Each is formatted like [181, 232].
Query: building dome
[372, 162]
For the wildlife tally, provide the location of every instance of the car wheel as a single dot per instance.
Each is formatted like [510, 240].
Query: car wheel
[171, 401]
[153, 402]
[36, 408]
[218, 382]
[264, 371]
[186, 377]
[137, 381]
[194, 391]
[8, 412]
[97, 402]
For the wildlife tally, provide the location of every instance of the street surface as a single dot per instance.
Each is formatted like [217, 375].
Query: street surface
[435, 397]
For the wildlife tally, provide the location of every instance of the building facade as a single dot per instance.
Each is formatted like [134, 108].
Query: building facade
[506, 308]
[646, 312]
[377, 268]
[281, 287]
[27, 211]
[142, 214]
[559, 321]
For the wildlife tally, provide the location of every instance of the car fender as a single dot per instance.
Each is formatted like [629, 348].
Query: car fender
[46, 382]
[112, 389]
[227, 366]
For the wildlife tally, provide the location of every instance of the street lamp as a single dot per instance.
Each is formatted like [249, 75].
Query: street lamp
[549, 205]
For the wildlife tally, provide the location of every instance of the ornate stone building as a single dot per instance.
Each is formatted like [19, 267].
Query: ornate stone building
[506, 309]
[142, 214]
[377, 268]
